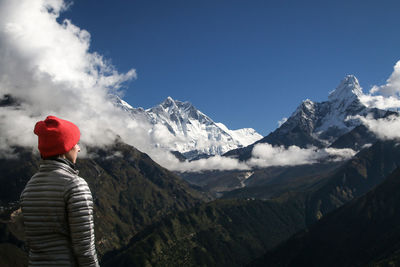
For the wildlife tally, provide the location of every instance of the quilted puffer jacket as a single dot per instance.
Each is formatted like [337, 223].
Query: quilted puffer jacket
[58, 217]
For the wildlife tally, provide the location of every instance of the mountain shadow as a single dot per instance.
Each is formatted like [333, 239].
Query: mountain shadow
[359, 175]
[219, 233]
[274, 181]
[356, 139]
[364, 232]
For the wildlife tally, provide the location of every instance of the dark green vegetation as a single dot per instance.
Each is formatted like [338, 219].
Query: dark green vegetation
[217, 182]
[13, 179]
[367, 169]
[365, 232]
[130, 191]
[12, 251]
[220, 233]
[232, 232]
[274, 181]
[15, 172]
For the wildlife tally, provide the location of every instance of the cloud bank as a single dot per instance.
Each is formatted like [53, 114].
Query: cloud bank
[385, 96]
[385, 128]
[381, 102]
[47, 66]
[392, 86]
[266, 155]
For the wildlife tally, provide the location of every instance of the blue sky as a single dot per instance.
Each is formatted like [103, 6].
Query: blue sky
[243, 63]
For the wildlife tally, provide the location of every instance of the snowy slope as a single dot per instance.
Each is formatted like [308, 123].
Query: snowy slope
[343, 102]
[179, 126]
[245, 136]
[321, 123]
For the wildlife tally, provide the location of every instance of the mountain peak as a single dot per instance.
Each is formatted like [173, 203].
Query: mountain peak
[168, 102]
[349, 88]
[308, 104]
[193, 133]
[172, 104]
[307, 107]
[119, 102]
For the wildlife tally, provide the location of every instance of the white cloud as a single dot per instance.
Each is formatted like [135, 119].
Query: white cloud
[263, 155]
[385, 128]
[392, 86]
[48, 67]
[385, 96]
[381, 102]
[212, 163]
[266, 155]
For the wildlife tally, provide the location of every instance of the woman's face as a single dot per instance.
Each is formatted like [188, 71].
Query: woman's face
[73, 153]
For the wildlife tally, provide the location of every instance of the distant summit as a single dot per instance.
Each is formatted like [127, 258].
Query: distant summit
[349, 88]
[180, 113]
[320, 124]
[179, 126]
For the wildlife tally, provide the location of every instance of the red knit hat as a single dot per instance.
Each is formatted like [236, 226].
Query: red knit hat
[56, 136]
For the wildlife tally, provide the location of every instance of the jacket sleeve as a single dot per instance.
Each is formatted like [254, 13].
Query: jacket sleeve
[80, 219]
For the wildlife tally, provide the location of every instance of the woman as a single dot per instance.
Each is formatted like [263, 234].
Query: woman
[56, 203]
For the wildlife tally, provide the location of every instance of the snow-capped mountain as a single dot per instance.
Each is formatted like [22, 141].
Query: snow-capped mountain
[179, 126]
[321, 123]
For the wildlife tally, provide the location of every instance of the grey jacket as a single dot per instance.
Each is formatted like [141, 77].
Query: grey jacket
[57, 207]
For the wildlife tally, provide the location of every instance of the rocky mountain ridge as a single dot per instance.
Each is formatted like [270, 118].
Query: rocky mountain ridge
[320, 124]
[187, 130]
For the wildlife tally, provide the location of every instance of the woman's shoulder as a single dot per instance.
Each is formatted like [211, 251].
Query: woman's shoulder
[77, 183]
